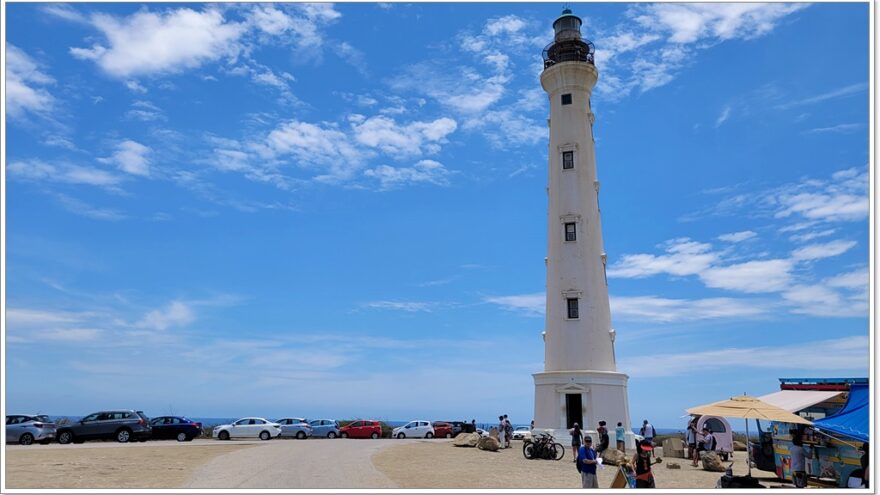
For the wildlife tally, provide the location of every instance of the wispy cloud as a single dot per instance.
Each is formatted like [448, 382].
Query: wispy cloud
[725, 114]
[836, 129]
[405, 306]
[850, 90]
[738, 236]
[26, 85]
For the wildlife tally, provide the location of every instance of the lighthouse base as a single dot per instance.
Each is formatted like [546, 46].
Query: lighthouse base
[563, 398]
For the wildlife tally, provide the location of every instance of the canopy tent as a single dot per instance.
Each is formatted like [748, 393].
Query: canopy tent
[853, 420]
[748, 408]
[797, 400]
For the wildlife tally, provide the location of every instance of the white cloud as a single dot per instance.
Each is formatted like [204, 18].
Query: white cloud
[836, 129]
[839, 354]
[64, 11]
[26, 85]
[145, 111]
[529, 304]
[414, 138]
[406, 306]
[684, 257]
[819, 251]
[157, 43]
[738, 236]
[821, 300]
[312, 146]
[850, 90]
[36, 317]
[725, 114]
[751, 277]
[664, 310]
[813, 234]
[424, 171]
[130, 157]
[857, 279]
[84, 209]
[176, 314]
[38, 170]
[70, 334]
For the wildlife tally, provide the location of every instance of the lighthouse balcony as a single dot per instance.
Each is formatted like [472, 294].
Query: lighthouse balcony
[570, 50]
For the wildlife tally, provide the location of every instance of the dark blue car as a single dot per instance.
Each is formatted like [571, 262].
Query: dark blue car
[177, 427]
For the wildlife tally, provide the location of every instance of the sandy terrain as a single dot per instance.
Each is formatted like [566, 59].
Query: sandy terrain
[337, 463]
[110, 465]
[441, 465]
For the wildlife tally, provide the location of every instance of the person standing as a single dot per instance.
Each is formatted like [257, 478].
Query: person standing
[603, 437]
[691, 437]
[532, 425]
[798, 462]
[648, 432]
[866, 466]
[508, 430]
[586, 459]
[501, 431]
[577, 438]
[620, 436]
[642, 462]
[473, 426]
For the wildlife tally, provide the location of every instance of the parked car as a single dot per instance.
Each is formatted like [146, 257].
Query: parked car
[324, 428]
[29, 428]
[248, 428]
[482, 432]
[457, 426]
[414, 429]
[294, 428]
[180, 428]
[442, 430]
[122, 425]
[522, 433]
[362, 428]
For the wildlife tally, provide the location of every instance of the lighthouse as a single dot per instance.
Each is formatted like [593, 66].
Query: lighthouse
[580, 382]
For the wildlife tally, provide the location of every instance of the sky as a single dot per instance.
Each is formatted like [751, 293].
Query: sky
[339, 210]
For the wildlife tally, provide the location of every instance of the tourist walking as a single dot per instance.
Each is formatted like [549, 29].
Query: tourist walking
[620, 436]
[648, 432]
[532, 425]
[577, 437]
[642, 462]
[508, 430]
[798, 462]
[501, 431]
[603, 437]
[586, 463]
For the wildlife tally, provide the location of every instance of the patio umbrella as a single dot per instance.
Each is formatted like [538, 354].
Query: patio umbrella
[747, 407]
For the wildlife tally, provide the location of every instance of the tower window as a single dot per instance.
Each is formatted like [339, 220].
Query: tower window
[567, 160]
[571, 231]
[572, 308]
[566, 99]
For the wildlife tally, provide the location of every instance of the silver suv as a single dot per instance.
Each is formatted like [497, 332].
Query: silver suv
[29, 428]
[121, 425]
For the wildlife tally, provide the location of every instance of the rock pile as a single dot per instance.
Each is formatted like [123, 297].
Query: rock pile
[673, 465]
[466, 439]
[489, 443]
[613, 457]
[711, 462]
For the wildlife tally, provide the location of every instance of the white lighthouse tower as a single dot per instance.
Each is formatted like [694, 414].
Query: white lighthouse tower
[580, 383]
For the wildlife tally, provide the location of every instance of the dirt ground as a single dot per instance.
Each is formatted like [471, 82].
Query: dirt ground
[97, 465]
[441, 465]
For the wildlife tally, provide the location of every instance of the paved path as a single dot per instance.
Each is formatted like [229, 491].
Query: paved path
[340, 463]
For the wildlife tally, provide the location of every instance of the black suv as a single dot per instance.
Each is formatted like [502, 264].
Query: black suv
[120, 425]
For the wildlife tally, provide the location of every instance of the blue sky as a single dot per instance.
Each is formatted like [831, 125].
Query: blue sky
[339, 210]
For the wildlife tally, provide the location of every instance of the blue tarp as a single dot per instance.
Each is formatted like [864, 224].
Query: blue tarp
[851, 421]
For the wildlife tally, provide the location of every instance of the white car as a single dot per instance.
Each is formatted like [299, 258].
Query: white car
[482, 432]
[248, 428]
[522, 433]
[414, 429]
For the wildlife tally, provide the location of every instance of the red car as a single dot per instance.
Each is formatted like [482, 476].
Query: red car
[442, 430]
[361, 429]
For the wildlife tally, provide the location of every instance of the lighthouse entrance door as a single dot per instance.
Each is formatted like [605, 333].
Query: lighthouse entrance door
[574, 410]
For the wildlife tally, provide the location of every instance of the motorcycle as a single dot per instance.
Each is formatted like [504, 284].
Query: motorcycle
[543, 446]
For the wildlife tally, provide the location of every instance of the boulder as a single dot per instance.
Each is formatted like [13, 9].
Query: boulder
[739, 446]
[673, 447]
[489, 443]
[673, 465]
[466, 440]
[613, 457]
[711, 462]
[493, 432]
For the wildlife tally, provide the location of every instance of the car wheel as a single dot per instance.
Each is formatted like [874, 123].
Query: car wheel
[224, 435]
[123, 435]
[181, 437]
[401, 435]
[429, 435]
[331, 435]
[343, 435]
[374, 435]
[301, 435]
[26, 439]
[264, 435]
[449, 435]
[65, 437]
